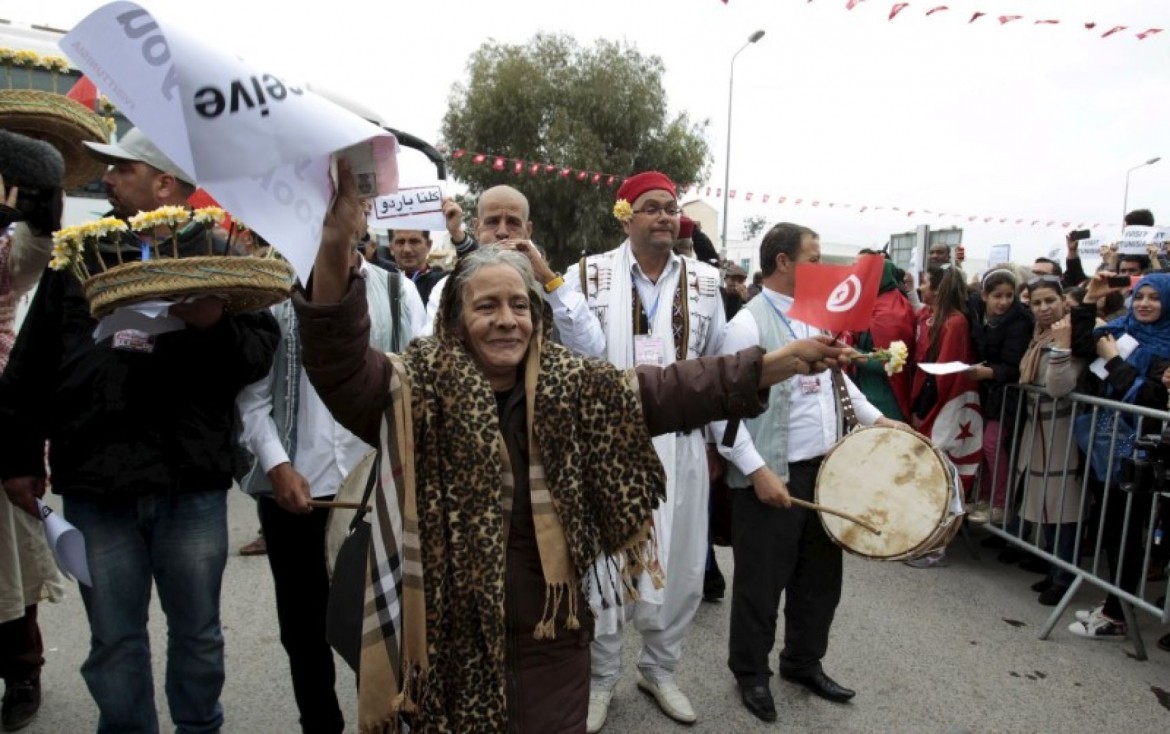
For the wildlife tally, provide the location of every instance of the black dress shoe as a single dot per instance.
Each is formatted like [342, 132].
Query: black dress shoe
[822, 685]
[714, 585]
[758, 699]
[22, 699]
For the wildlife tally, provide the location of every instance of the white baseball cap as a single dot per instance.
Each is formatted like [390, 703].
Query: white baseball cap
[134, 146]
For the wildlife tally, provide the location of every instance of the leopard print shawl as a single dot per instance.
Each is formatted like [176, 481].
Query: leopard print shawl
[587, 438]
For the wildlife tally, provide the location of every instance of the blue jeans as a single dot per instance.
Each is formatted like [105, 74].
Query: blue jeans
[1065, 550]
[180, 541]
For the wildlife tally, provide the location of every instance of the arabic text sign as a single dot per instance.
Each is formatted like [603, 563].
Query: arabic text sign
[418, 207]
[999, 255]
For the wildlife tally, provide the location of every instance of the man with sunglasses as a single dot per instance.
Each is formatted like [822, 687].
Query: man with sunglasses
[650, 306]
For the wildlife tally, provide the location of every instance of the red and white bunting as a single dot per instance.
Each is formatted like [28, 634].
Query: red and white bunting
[898, 8]
[596, 178]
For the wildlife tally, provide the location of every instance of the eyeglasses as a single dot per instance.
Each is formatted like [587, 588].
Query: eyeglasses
[653, 210]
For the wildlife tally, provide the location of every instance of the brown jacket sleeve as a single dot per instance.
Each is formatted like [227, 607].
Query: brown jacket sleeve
[692, 393]
[352, 378]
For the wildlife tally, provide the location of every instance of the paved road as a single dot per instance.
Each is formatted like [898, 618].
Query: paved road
[938, 650]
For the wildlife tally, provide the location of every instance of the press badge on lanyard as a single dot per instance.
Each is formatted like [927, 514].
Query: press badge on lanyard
[649, 349]
[133, 340]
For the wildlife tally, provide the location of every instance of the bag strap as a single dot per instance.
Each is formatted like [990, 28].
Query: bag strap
[395, 287]
[844, 402]
[371, 481]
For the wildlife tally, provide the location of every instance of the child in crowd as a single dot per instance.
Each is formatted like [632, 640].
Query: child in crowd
[1001, 328]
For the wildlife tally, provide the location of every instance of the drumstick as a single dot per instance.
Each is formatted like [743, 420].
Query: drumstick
[337, 505]
[821, 508]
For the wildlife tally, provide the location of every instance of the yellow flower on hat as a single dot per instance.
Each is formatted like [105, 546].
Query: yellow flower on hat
[208, 215]
[623, 211]
[25, 57]
[54, 63]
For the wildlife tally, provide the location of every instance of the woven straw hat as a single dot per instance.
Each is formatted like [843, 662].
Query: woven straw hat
[60, 121]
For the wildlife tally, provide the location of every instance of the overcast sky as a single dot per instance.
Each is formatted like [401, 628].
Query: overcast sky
[921, 113]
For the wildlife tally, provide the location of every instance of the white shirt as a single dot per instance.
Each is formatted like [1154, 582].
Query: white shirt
[812, 427]
[326, 452]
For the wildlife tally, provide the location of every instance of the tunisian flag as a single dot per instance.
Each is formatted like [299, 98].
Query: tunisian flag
[837, 298]
[953, 419]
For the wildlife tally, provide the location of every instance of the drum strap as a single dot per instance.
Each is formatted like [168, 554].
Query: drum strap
[844, 403]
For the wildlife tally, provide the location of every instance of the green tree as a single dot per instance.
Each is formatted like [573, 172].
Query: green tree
[551, 101]
[752, 226]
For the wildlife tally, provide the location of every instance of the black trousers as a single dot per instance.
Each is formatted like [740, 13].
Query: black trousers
[296, 554]
[781, 551]
[21, 649]
[1129, 576]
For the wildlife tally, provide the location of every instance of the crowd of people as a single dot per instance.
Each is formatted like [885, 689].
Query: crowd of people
[546, 445]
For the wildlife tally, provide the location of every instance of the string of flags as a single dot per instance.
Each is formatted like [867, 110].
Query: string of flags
[535, 169]
[933, 9]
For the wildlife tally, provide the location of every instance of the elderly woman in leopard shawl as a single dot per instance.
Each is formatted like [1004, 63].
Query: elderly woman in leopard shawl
[508, 464]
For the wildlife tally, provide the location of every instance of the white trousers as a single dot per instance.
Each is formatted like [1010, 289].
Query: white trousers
[662, 626]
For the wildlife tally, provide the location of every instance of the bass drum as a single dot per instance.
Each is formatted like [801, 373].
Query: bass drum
[897, 481]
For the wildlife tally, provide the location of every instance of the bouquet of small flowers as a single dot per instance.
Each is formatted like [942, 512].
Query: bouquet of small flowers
[893, 358]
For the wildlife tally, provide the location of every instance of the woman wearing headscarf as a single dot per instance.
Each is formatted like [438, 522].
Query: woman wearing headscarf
[1052, 491]
[1139, 378]
[508, 466]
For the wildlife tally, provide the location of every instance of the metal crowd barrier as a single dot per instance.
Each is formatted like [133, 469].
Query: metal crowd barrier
[1141, 503]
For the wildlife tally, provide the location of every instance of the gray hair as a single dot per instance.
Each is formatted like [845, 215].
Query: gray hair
[451, 304]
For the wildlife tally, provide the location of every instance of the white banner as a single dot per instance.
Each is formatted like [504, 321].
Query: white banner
[999, 255]
[258, 144]
[1134, 240]
[412, 207]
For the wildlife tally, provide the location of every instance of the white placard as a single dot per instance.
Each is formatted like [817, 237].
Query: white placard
[944, 368]
[1125, 346]
[999, 255]
[67, 544]
[1091, 246]
[1054, 253]
[1135, 239]
[414, 207]
[258, 144]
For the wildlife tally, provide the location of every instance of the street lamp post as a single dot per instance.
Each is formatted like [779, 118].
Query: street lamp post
[1125, 201]
[727, 159]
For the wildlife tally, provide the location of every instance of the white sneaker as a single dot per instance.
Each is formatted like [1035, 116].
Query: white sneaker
[671, 700]
[1084, 615]
[598, 710]
[1099, 627]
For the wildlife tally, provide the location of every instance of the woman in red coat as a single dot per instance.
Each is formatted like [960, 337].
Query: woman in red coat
[946, 407]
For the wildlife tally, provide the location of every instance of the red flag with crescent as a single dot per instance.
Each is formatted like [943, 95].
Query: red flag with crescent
[837, 298]
[954, 423]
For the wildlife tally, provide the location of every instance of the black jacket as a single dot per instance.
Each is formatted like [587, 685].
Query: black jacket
[123, 424]
[1001, 347]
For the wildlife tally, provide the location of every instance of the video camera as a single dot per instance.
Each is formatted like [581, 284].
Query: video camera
[1146, 472]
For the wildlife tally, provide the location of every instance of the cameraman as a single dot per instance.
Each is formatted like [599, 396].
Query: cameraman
[30, 209]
